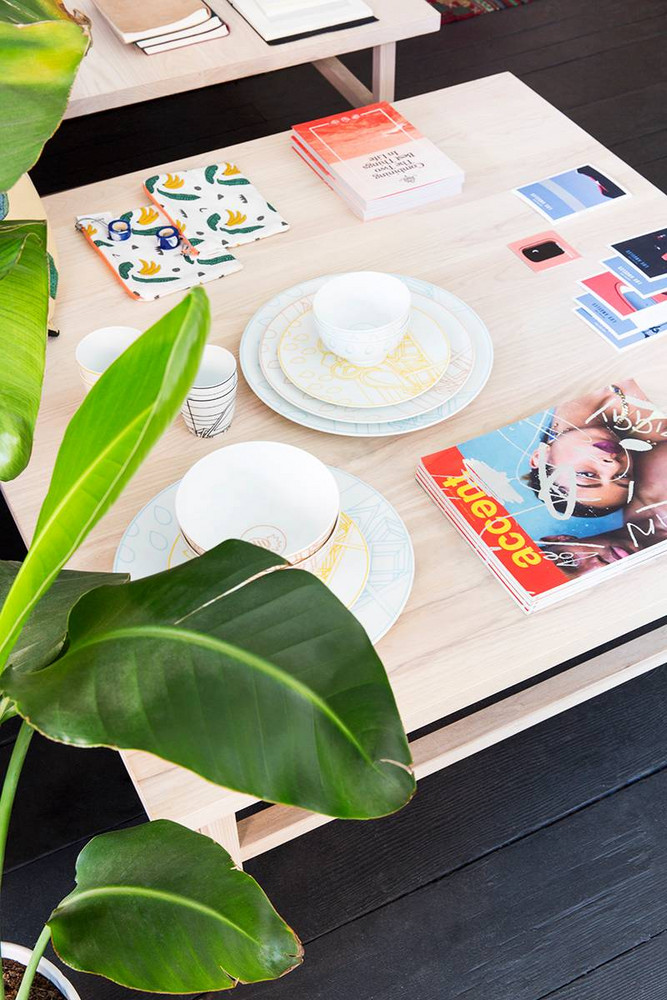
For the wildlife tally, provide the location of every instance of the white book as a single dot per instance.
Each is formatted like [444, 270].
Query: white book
[179, 43]
[145, 19]
[302, 22]
[173, 36]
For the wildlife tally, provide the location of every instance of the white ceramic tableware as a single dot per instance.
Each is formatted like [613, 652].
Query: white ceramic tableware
[412, 368]
[424, 312]
[209, 406]
[265, 492]
[370, 566]
[100, 349]
[362, 316]
[327, 422]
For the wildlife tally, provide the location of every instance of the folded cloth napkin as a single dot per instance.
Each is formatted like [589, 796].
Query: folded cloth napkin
[145, 271]
[215, 201]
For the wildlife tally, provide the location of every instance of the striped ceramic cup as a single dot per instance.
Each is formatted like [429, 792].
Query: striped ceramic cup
[209, 405]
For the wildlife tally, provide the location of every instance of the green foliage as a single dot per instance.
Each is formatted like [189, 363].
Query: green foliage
[24, 303]
[190, 920]
[41, 46]
[107, 439]
[265, 684]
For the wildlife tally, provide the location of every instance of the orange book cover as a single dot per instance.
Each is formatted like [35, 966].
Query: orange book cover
[376, 152]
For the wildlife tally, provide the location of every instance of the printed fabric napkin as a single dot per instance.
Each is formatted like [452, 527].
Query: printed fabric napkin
[145, 271]
[217, 201]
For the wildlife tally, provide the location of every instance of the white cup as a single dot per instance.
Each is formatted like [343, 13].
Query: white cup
[209, 406]
[362, 316]
[100, 349]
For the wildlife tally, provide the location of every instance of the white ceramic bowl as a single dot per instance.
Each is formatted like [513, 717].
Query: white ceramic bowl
[264, 492]
[100, 349]
[362, 316]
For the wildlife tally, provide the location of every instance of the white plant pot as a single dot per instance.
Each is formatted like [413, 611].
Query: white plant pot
[47, 969]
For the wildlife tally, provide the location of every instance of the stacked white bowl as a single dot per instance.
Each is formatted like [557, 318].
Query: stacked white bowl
[362, 316]
[273, 495]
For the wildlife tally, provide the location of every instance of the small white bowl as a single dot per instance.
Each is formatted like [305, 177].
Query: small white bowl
[274, 495]
[100, 349]
[362, 316]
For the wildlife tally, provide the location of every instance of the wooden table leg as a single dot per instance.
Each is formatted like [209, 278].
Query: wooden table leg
[384, 71]
[225, 832]
[344, 80]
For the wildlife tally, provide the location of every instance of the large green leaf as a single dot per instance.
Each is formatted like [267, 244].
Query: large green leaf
[44, 633]
[160, 908]
[41, 46]
[266, 684]
[106, 440]
[24, 305]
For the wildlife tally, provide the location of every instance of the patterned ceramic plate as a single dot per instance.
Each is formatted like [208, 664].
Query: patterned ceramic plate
[370, 569]
[419, 361]
[473, 325]
[458, 369]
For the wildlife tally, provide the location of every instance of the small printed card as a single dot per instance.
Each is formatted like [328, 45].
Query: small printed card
[647, 253]
[145, 271]
[543, 251]
[621, 333]
[215, 202]
[570, 193]
[622, 298]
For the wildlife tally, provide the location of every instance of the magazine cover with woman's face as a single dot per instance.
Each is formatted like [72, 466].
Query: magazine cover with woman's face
[583, 484]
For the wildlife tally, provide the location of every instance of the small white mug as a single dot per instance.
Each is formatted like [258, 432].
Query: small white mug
[99, 349]
[209, 406]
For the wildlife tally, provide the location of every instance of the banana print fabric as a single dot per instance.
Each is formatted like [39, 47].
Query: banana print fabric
[145, 271]
[218, 202]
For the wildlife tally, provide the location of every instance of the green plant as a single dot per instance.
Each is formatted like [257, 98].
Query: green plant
[235, 665]
[41, 46]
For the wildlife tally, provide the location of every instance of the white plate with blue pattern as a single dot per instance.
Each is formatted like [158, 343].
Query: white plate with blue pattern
[325, 420]
[371, 568]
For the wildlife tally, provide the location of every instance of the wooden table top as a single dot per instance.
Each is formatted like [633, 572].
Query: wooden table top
[114, 74]
[461, 637]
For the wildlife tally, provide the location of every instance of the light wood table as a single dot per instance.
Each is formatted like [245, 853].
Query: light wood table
[461, 638]
[113, 74]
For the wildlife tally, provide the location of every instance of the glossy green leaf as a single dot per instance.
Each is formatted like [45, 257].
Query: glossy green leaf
[265, 684]
[24, 304]
[43, 635]
[107, 439]
[41, 46]
[160, 908]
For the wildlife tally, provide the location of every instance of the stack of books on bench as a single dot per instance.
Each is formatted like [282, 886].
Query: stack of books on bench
[278, 21]
[562, 500]
[376, 160]
[161, 25]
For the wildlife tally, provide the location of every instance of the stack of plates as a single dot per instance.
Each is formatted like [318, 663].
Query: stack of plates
[370, 566]
[441, 365]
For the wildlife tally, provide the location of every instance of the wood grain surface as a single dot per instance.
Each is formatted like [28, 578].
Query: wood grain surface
[461, 637]
[114, 74]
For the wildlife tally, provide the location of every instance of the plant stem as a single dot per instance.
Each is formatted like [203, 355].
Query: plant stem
[16, 760]
[31, 967]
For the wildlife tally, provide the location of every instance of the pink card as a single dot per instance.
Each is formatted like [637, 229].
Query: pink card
[544, 250]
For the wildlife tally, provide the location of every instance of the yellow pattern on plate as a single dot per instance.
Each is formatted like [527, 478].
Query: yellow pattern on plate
[419, 361]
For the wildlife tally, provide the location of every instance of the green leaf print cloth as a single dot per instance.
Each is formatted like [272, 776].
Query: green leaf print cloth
[217, 202]
[145, 271]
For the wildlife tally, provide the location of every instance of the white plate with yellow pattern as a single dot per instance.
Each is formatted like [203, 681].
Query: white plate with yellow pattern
[370, 567]
[412, 368]
[457, 373]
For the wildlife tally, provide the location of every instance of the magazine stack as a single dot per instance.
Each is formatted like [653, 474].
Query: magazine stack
[563, 499]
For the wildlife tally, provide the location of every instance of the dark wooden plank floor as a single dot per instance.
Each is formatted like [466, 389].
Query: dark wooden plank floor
[537, 868]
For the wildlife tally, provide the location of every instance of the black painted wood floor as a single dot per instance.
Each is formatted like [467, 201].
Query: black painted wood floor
[537, 868]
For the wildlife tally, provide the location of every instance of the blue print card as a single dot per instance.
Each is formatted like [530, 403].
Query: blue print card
[648, 253]
[628, 273]
[620, 333]
[571, 192]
